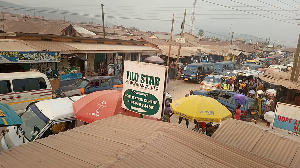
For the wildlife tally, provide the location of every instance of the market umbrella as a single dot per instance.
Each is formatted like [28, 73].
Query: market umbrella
[8, 116]
[240, 98]
[154, 59]
[200, 108]
[98, 105]
[269, 116]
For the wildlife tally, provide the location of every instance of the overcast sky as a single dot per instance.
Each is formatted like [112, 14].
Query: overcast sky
[255, 19]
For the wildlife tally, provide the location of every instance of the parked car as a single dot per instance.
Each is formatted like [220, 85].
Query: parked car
[251, 67]
[225, 65]
[89, 85]
[196, 71]
[251, 62]
[42, 119]
[18, 89]
[212, 82]
[249, 106]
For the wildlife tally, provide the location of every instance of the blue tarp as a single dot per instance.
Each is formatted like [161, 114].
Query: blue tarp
[8, 116]
[70, 76]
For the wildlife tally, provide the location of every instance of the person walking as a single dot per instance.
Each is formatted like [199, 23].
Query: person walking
[187, 122]
[237, 114]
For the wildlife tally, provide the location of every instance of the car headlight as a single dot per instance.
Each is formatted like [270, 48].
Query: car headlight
[193, 75]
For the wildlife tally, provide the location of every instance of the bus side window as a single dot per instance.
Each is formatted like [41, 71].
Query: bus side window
[5, 87]
[28, 84]
[42, 83]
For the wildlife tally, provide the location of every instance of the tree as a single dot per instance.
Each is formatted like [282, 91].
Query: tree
[200, 32]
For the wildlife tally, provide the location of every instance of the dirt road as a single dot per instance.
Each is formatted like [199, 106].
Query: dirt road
[179, 88]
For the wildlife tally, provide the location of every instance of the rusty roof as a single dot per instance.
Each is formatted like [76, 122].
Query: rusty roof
[107, 47]
[48, 45]
[265, 143]
[279, 78]
[123, 141]
[35, 26]
[68, 47]
[14, 45]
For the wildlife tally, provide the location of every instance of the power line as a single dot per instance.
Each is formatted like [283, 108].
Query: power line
[296, 1]
[287, 4]
[262, 9]
[276, 7]
[249, 12]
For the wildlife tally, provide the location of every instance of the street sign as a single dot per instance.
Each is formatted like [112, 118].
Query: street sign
[180, 40]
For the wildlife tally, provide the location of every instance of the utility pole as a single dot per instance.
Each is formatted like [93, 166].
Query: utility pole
[179, 48]
[170, 43]
[193, 17]
[296, 67]
[103, 21]
[2, 21]
[295, 72]
[232, 37]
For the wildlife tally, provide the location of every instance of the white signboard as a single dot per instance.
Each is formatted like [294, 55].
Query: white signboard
[288, 110]
[143, 88]
[180, 40]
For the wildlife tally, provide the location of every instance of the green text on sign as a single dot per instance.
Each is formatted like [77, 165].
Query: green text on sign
[141, 102]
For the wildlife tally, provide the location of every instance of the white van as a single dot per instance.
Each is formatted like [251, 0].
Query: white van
[42, 119]
[18, 89]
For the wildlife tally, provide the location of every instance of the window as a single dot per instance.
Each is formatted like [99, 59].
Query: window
[42, 83]
[21, 85]
[5, 87]
[117, 81]
[105, 83]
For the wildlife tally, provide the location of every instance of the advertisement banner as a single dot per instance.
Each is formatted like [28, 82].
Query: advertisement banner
[29, 57]
[287, 117]
[143, 88]
[287, 123]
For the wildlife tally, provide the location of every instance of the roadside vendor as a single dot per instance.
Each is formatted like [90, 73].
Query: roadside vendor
[259, 101]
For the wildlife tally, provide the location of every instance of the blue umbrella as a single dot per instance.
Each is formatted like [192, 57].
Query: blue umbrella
[8, 116]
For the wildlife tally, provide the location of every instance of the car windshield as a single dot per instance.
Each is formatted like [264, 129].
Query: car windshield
[249, 63]
[212, 79]
[190, 68]
[117, 81]
[218, 67]
[81, 83]
[32, 123]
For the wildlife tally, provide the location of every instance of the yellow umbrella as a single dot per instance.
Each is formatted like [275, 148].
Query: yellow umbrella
[200, 108]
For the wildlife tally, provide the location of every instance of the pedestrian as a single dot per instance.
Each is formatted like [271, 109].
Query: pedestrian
[187, 122]
[167, 112]
[237, 114]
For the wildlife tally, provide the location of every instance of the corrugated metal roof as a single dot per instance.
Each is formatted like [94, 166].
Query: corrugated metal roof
[35, 26]
[14, 45]
[84, 31]
[266, 143]
[49, 46]
[106, 47]
[279, 78]
[122, 141]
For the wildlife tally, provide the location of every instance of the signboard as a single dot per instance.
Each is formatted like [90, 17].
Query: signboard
[143, 88]
[287, 117]
[29, 57]
[180, 40]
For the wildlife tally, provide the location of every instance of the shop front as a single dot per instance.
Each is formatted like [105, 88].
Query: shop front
[18, 61]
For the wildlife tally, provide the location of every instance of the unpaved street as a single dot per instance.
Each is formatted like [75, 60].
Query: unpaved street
[178, 89]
